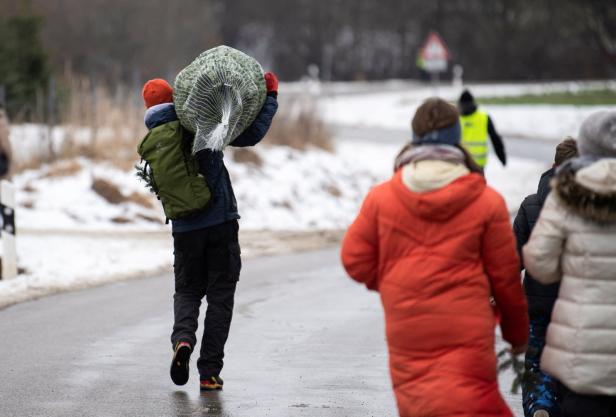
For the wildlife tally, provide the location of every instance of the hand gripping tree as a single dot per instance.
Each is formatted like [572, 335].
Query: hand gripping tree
[218, 96]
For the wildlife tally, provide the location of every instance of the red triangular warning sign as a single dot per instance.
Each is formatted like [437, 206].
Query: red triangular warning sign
[434, 48]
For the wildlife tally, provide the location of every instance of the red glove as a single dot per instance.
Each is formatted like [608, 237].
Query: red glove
[271, 82]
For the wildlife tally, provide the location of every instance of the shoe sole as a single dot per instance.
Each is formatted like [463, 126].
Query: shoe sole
[179, 366]
[216, 387]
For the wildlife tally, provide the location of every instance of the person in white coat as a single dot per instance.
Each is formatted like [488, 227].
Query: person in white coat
[574, 241]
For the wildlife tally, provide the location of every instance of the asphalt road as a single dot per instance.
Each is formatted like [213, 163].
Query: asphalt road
[527, 148]
[306, 341]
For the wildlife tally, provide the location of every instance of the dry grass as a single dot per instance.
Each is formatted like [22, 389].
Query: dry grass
[121, 220]
[29, 204]
[106, 125]
[113, 195]
[125, 220]
[29, 188]
[333, 190]
[150, 218]
[108, 191]
[247, 156]
[63, 169]
[95, 122]
[299, 126]
[141, 200]
[286, 204]
[101, 124]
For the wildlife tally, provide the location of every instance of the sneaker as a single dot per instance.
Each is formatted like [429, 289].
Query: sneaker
[179, 365]
[540, 394]
[212, 383]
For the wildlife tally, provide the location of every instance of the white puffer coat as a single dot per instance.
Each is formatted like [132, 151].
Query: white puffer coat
[574, 241]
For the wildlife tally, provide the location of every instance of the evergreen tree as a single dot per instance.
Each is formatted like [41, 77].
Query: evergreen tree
[24, 69]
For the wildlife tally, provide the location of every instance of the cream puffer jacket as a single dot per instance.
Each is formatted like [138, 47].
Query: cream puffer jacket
[574, 241]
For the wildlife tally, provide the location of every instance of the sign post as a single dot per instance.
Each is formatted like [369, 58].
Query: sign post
[434, 56]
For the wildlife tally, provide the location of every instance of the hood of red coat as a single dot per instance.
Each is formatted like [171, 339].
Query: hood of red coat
[441, 204]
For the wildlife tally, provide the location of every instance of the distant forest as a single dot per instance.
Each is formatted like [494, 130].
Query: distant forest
[131, 40]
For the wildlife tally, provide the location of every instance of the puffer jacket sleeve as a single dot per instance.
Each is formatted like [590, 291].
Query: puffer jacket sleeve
[360, 251]
[502, 266]
[543, 251]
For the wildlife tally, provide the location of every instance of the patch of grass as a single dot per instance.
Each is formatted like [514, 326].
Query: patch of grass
[121, 220]
[112, 194]
[141, 200]
[299, 126]
[109, 191]
[94, 122]
[63, 169]
[29, 188]
[580, 98]
[29, 204]
[247, 156]
[333, 190]
[150, 218]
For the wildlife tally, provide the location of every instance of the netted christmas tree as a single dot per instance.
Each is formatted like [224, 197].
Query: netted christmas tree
[218, 96]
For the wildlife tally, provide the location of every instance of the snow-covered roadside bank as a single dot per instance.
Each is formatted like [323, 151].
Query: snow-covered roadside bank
[82, 223]
[56, 262]
[393, 108]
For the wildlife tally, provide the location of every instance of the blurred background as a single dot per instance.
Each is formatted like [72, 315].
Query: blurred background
[353, 72]
[49, 46]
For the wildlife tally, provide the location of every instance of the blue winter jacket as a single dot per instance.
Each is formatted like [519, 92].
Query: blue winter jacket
[223, 206]
[159, 115]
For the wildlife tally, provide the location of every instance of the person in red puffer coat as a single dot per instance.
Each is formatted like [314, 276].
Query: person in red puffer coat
[436, 242]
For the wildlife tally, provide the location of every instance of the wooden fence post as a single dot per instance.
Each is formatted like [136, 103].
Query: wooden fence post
[7, 233]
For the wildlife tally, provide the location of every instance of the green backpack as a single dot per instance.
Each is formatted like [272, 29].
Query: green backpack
[171, 171]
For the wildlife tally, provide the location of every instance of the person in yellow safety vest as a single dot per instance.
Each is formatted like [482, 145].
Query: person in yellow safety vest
[476, 127]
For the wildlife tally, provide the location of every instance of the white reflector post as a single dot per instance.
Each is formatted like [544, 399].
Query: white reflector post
[9, 249]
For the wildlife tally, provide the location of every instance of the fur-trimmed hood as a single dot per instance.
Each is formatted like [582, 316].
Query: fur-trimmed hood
[588, 190]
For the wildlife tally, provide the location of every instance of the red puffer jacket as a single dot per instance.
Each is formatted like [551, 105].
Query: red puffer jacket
[436, 258]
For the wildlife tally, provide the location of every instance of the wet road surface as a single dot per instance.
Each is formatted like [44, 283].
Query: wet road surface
[305, 341]
[527, 148]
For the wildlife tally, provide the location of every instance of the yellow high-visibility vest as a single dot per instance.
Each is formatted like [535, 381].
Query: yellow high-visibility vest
[475, 136]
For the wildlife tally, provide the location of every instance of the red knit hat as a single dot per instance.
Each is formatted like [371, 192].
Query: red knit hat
[157, 91]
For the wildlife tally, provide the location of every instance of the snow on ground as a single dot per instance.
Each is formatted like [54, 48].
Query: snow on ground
[59, 262]
[394, 108]
[60, 197]
[292, 190]
[69, 236]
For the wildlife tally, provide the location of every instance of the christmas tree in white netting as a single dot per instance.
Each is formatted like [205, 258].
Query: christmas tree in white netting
[218, 96]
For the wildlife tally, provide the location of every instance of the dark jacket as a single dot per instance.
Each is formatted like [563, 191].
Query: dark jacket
[497, 141]
[223, 207]
[541, 298]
